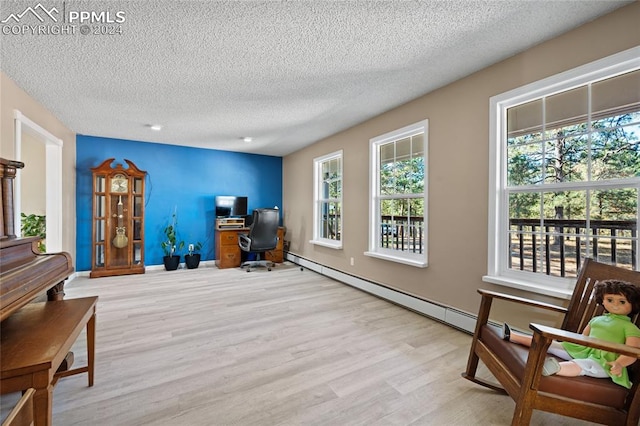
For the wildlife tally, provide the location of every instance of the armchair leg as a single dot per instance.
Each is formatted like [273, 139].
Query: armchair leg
[483, 318]
[531, 380]
[472, 366]
[521, 416]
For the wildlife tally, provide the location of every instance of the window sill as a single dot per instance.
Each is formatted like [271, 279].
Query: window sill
[533, 287]
[337, 245]
[411, 262]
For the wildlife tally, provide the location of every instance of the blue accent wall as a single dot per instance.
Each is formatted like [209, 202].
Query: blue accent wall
[182, 177]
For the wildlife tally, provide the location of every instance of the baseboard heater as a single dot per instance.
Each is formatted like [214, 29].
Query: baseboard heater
[458, 319]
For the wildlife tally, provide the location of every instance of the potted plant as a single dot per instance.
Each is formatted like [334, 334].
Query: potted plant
[171, 246]
[35, 226]
[192, 258]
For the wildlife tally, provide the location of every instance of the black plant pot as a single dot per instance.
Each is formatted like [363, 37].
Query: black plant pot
[171, 263]
[192, 260]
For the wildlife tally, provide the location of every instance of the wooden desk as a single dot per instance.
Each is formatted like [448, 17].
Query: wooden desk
[34, 342]
[228, 253]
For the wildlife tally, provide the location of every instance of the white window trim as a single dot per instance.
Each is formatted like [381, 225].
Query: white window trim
[497, 271]
[411, 259]
[317, 184]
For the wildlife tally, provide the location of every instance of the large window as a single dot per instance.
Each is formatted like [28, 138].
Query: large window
[398, 210]
[566, 175]
[328, 200]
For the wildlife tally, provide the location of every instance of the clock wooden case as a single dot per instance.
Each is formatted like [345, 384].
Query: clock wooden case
[117, 246]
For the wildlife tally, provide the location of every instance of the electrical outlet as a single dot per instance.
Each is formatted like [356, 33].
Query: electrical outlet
[352, 262]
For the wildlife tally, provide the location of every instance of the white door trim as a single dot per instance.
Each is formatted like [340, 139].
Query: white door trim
[53, 173]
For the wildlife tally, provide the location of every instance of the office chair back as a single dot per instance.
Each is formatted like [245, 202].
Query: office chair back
[264, 229]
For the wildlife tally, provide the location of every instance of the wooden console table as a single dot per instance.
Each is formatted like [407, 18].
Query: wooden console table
[36, 339]
[228, 253]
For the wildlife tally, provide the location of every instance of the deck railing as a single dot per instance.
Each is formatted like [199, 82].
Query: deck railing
[554, 247]
[399, 234]
[557, 246]
[395, 232]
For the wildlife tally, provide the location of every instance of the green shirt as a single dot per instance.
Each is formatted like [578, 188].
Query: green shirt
[612, 328]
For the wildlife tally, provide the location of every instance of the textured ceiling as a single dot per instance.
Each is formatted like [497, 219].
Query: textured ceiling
[286, 73]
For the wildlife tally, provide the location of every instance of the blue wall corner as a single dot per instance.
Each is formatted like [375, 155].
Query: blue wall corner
[182, 178]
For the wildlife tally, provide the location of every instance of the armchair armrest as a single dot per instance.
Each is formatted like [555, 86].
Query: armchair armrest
[521, 300]
[550, 333]
[244, 241]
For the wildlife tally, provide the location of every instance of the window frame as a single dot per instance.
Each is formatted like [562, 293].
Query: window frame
[375, 249]
[497, 265]
[318, 199]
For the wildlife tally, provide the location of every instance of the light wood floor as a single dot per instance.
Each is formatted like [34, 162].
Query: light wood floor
[286, 347]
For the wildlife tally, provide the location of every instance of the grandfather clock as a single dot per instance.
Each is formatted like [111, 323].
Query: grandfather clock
[117, 246]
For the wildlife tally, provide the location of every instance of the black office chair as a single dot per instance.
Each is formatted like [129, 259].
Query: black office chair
[262, 237]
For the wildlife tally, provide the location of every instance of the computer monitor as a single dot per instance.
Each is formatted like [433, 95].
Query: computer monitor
[231, 206]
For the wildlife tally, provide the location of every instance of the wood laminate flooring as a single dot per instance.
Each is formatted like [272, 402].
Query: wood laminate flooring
[286, 347]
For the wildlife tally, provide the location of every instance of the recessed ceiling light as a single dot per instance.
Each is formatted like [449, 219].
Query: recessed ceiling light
[155, 127]
[247, 139]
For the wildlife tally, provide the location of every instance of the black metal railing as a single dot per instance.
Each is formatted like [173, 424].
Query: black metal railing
[553, 246]
[398, 233]
[556, 246]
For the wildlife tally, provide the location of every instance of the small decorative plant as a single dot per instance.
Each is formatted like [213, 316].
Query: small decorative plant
[35, 225]
[192, 259]
[194, 248]
[171, 246]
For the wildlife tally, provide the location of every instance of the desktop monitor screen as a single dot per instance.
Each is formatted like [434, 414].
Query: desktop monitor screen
[230, 205]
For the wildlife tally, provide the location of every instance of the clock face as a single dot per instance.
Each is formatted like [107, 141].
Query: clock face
[119, 183]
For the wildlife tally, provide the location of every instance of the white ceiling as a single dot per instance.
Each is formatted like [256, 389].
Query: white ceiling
[286, 73]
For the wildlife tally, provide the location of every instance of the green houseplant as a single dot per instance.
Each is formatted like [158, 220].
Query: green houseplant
[35, 225]
[170, 245]
[192, 258]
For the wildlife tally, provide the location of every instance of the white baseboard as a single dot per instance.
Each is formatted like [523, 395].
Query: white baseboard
[451, 316]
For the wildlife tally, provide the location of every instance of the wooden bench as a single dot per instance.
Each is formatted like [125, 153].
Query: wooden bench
[34, 342]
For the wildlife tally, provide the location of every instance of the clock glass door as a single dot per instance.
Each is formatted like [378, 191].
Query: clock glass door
[119, 241]
[99, 201]
[138, 215]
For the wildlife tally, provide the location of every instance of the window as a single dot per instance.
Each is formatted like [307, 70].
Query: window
[398, 222]
[565, 175]
[327, 211]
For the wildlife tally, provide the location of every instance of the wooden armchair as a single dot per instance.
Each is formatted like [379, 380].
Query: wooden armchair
[519, 368]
